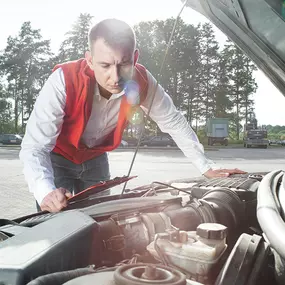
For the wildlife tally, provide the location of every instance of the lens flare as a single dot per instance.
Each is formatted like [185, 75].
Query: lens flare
[136, 116]
[132, 93]
[131, 90]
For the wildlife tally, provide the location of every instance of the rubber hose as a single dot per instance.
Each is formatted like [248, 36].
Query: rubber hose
[187, 219]
[58, 278]
[268, 216]
[281, 197]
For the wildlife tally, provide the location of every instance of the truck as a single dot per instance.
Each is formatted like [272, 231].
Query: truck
[254, 135]
[217, 131]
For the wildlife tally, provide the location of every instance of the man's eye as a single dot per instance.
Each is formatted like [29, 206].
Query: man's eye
[125, 63]
[105, 65]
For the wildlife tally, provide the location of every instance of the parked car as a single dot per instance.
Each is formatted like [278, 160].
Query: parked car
[158, 141]
[131, 141]
[11, 139]
[123, 144]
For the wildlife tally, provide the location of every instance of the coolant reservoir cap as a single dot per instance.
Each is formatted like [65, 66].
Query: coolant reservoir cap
[212, 231]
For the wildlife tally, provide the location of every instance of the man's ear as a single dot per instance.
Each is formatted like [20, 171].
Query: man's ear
[136, 56]
[88, 57]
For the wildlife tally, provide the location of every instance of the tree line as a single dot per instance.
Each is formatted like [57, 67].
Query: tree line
[276, 132]
[204, 79]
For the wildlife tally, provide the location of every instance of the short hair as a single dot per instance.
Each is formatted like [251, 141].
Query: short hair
[116, 33]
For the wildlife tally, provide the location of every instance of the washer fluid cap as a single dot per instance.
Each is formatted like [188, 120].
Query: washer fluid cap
[212, 231]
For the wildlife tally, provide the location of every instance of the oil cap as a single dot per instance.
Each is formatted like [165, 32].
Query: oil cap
[212, 231]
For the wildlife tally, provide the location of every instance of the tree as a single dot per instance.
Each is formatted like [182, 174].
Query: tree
[195, 83]
[242, 84]
[148, 48]
[250, 88]
[222, 102]
[76, 43]
[203, 81]
[179, 61]
[191, 82]
[179, 67]
[209, 60]
[21, 63]
[5, 111]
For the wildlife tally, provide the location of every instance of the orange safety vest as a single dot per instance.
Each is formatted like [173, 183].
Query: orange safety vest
[80, 85]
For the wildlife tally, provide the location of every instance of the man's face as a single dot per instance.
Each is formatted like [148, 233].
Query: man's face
[112, 67]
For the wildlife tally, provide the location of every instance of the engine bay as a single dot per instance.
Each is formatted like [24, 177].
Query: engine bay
[191, 231]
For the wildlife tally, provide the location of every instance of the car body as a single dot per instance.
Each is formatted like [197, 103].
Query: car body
[257, 27]
[158, 141]
[10, 139]
[123, 143]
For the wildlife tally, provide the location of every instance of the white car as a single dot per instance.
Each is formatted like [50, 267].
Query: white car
[123, 144]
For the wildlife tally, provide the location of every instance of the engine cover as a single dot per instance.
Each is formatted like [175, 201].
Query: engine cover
[244, 185]
[61, 243]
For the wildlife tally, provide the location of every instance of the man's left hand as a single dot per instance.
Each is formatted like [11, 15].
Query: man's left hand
[222, 172]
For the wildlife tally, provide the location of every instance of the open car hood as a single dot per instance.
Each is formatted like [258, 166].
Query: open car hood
[257, 27]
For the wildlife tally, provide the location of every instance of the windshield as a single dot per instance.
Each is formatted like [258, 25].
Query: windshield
[233, 108]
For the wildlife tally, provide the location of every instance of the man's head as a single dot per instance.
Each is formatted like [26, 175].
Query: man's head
[112, 53]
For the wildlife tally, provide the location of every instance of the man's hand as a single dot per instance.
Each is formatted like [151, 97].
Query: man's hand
[55, 200]
[222, 172]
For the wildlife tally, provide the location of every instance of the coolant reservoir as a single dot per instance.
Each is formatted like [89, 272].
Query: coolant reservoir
[195, 253]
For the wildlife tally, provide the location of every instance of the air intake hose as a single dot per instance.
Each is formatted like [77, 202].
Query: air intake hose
[216, 206]
[227, 207]
[268, 211]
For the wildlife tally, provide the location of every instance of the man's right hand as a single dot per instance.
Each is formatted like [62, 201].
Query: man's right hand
[55, 200]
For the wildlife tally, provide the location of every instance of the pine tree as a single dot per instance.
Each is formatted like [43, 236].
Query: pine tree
[209, 59]
[20, 63]
[242, 84]
[76, 43]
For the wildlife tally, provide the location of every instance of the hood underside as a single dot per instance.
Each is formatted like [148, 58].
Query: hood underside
[256, 26]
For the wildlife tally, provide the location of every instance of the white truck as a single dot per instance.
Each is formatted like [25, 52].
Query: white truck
[217, 131]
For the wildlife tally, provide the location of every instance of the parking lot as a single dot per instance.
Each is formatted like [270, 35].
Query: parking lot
[150, 165]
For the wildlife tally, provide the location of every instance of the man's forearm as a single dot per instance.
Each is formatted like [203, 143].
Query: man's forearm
[171, 121]
[38, 172]
[186, 139]
[42, 130]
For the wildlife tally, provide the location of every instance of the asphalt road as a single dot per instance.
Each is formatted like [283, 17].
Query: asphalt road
[150, 165]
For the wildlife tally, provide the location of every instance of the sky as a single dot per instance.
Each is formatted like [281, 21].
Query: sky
[55, 17]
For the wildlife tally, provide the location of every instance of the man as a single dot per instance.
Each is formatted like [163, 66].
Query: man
[82, 110]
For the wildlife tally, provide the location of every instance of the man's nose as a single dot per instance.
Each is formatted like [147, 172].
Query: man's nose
[115, 74]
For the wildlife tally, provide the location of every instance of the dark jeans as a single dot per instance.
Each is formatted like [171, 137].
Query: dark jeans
[78, 177]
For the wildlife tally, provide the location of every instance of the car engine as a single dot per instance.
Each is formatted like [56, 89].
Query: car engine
[191, 231]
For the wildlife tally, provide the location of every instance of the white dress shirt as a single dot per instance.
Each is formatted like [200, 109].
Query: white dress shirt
[45, 122]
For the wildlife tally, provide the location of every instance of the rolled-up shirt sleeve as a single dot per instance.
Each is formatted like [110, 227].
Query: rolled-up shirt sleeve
[42, 130]
[173, 122]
